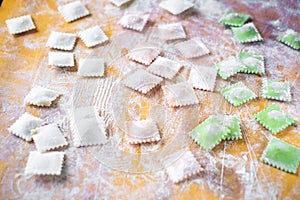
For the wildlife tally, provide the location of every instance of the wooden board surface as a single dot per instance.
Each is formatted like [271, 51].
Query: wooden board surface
[232, 169]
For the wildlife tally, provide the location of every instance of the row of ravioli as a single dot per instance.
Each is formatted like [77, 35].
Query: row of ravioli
[277, 153]
[243, 32]
[48, 137]
[216, 128]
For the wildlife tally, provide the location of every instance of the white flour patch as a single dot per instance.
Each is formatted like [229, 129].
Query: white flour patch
[32, 43]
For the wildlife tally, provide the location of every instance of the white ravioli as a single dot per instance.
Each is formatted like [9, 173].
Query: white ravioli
[61, 59]
[91, 67]
[203, 78]
[93, 36]
[192, 48]
[120, 2]
[134, 21]
[88, 127]
[229, 67]
[173, 31]
[40, 96]
[142, 131]
[180, 94]
[164, 67]
[141, 80]
[62, 41]
[144, 54]
[183, 168]
[48, 137]
[44, 163]
[176, 6]
[73, 11]
[20, 24]
[24, 125]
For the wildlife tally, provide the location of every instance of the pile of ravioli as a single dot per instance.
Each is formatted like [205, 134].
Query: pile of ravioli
[88, 127]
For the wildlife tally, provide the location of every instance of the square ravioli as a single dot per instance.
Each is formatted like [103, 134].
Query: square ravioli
[253, 64]
[274, 119]
[142, 131]
[176, 7]
[93, 36]
[247, 33]
[238, 94]
[73, 11]
[291, 38]
[120, 3]
[24, 125]
[172, 31]
[61, 59]
[50, 163]
[20, 24]
[277, 90]
[144, 55]
[281, 155]
[141, 80]
[48, 137]
[135, 22]
[233, 124]
[229, 67]
[91, 67]
[234, 19]
[40, 96]
[180, 94]
[88, 127]
[192, 48]
[209, 133]
[203, 78]
[62, 41]
[164, 67]
[183, 168]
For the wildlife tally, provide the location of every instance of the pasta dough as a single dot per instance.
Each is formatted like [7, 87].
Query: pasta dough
[183, 168]
[20, 24]
[91, 67]
[24, 125]
[61, 59]
[164, 67]
[141, 80]
[120, 2]
[274, 119]
[62, 41]
[180, 94]
[192, 48]
[44, 163]
[176, 7]
[93, 36]
[40, 96]
[88, 127]
[238, 94]
[135, 22]
[48, 137]
[203, 78]
[144, 55]
[172, 31]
